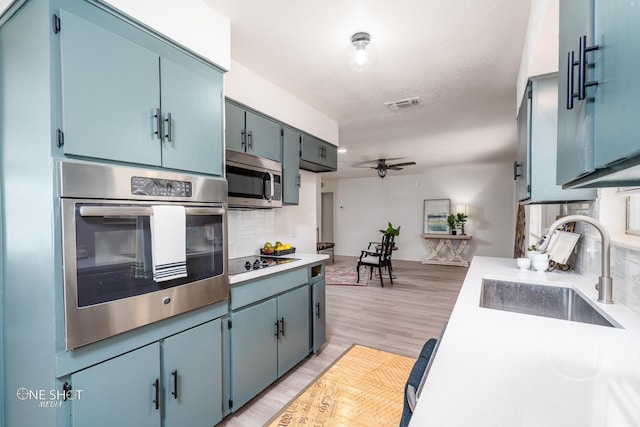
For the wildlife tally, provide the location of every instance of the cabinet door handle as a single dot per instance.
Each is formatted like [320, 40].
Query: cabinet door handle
[282, 327]
[582, 70]
[156, 401]
[174, 393]
[515, 170]
[158, 117]
[318, 310]
[243, 135]
[250, 140]
[277, 334]
[571, 63]
[169, 127]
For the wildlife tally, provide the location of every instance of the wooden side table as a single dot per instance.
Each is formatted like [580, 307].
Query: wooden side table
[435, 242]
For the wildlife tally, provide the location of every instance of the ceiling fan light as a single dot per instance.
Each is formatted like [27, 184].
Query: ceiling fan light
[361, 55]
[382, 172]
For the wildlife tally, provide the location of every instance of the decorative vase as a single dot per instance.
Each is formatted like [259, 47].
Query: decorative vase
[453, 232]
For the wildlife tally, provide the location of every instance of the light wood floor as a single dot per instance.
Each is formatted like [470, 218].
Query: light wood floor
[398, 318]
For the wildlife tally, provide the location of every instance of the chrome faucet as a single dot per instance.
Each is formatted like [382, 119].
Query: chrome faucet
[605, 282]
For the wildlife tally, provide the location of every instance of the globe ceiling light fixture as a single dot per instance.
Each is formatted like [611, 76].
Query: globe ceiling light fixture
[361, 54]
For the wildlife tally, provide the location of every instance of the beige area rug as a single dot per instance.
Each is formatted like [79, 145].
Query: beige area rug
[363, 387]
[346, 276]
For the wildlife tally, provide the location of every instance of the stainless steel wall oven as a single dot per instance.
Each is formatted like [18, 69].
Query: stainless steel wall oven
[108, 247]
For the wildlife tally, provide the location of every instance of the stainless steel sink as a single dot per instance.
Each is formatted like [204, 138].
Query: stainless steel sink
[540, 300]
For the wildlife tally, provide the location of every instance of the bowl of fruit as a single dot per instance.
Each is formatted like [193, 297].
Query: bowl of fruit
[276, 250]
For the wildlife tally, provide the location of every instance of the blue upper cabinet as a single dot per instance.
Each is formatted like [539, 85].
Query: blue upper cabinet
[598, 139]
[618, 67]
[250, 132]
[124, 102]
[521, 167]
[192, 111]
[291, 166]
[575, 130]
[235, 138]
[317, 155]
[537, 140]
[110, 92]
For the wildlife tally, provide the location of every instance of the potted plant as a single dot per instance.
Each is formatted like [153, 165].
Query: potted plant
[461, 218]
[391, 230]
[452, 220]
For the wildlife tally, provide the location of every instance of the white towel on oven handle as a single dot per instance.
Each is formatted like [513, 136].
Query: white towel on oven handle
[168, 242]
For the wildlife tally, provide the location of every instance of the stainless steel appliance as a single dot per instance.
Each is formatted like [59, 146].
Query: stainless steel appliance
[107, 247]
[254, 182]
[254, 262]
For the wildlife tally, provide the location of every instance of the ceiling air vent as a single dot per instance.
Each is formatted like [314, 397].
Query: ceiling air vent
[404, 103]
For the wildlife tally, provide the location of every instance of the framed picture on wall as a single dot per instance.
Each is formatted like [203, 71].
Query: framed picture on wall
[436, 212]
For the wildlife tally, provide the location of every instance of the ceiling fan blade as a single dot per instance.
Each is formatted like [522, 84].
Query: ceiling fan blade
[401, 164]
[376, 161]
[394, 168]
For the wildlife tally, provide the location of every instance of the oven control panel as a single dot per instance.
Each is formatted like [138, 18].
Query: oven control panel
[143, 186]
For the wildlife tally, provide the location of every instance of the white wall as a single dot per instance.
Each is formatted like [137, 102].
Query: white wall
[4, 5]
[365, 205]
[540, 52]
[247, 87]
[190, 23]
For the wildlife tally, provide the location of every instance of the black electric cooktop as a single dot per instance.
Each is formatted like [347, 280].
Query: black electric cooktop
[255, 262]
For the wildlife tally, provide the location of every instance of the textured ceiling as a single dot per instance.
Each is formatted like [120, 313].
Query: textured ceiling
[460, 57]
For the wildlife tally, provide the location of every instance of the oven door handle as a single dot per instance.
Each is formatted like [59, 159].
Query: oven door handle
[141, 211]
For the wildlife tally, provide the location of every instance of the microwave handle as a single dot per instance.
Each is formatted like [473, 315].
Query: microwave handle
[140, 211]
[269, 196]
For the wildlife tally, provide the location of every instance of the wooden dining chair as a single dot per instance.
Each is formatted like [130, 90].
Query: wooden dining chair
[378, 259]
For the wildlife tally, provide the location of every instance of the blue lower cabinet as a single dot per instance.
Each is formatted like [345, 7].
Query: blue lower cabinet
[318, 315]
[293, 319]
[120, 391]
[267, 340]
[192, 376]
[174, 382]
[254, 347]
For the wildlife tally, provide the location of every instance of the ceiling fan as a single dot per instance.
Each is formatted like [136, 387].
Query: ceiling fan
[382, 167]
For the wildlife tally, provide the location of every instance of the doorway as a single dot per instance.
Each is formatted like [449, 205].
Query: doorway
[326, 217]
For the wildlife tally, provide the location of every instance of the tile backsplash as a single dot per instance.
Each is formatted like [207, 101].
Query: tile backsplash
[248, 229]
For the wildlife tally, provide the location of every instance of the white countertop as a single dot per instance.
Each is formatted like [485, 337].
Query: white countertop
[496, 368]
[303, 259]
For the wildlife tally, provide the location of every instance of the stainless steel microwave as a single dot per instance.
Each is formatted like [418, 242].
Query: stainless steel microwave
[253, 182]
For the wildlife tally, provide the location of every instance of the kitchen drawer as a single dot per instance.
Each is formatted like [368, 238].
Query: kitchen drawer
[250, 292]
